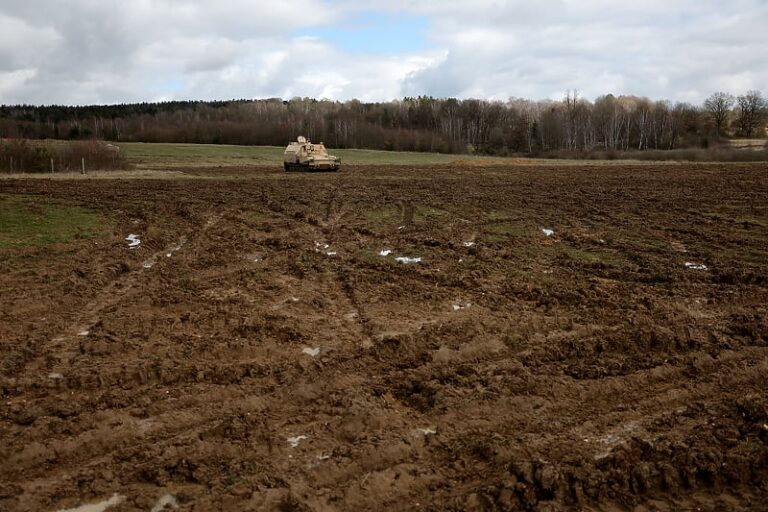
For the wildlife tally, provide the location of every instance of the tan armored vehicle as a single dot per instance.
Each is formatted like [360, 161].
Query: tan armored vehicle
[303, 155]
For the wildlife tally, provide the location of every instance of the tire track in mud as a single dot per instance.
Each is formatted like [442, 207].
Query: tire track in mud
[125, 287]
[334, 215]
[345, 283]
[129, 284]
[94, 456]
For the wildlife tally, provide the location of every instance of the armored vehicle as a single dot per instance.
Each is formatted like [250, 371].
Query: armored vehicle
[303, 155]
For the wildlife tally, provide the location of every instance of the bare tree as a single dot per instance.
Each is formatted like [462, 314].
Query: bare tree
[718, 107]
[751, 113]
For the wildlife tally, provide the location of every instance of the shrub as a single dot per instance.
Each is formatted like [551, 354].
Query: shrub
[21, 155]
[97, 155]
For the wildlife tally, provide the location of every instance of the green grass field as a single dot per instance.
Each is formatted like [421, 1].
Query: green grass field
[167, 156]
[192, 155]
[28, 220]
[150, 160]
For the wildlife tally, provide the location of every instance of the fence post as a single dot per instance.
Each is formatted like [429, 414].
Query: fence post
[52, 171]
[83, 162]
[11, 165]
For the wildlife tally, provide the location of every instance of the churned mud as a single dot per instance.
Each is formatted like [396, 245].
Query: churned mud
[393, 339]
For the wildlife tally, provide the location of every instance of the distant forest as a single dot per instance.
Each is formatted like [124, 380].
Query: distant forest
[449, 125]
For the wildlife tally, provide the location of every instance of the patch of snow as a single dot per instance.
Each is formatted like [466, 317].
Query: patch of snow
[459, 306]
[407, 259]
[385, 253]
[469, 244]
[149, 263]
[312, 352]
[695, 266]
[323, 456]
[294, 441]
[133, 241]
[547, 232]
[427, 431]
[324, 248]
[55, 376]
[116, 499]
[177, 247]
[400, 227]
[166, 502]
[84, 333]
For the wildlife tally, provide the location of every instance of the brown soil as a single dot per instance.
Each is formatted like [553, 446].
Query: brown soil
[587, 370]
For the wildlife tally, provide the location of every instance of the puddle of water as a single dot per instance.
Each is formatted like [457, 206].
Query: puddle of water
[547, 232]
[116, 499]
[324, 248]
[312, 352]
[294, 441]
[385, 253]
[678, 246]
[695, 266]
[166, 502]
[617, 436]
[133, 241]
[178, 247]
[407, 259]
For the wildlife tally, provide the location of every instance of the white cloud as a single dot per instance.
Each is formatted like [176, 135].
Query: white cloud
[22, 44]
[15, 80]
[96, 51]
[681, 50]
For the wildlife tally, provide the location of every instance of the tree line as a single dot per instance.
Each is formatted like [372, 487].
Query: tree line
[446, 125]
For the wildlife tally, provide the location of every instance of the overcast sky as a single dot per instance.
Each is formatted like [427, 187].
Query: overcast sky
[104, 51]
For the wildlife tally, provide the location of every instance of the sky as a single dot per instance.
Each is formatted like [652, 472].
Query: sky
[78, 52]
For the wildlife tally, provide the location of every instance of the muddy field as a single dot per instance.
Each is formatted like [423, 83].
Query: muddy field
[570, 339]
